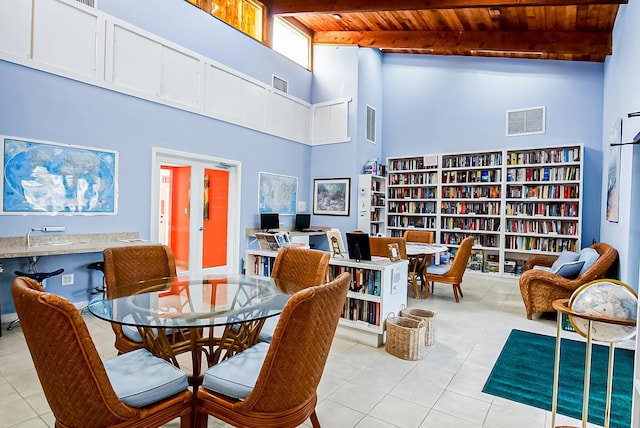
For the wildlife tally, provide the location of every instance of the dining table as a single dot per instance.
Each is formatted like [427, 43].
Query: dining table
[417, 248]
[216, 316]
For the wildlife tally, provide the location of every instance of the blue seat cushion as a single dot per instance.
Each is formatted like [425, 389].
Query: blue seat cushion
[139, 378]
[269, 326]
[236, 376]
[438, 269]
[589, 256]
[569, 270]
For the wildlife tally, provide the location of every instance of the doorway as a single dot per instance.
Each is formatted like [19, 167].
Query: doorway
[202, 231]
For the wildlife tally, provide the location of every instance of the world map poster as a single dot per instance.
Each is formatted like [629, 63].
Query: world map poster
[45, 177]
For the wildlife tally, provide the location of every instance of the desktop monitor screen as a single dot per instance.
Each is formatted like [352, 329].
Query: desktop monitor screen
[303, 221]
[269, 221]
[358, 246]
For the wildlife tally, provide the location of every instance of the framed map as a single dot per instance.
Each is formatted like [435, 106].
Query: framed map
[43, 177]
[277, 193]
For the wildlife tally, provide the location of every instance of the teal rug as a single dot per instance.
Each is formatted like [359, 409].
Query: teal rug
[524, 373]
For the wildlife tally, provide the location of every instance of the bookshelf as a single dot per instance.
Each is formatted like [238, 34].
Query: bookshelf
[513, 202]
[378, 288]
[412, 184]
[372, 209]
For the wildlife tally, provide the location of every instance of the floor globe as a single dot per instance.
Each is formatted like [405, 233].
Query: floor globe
[608, 298]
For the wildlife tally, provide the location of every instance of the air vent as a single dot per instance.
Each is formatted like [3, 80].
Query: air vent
[526, 121]
[90, 3]
[280, 84]
[371, 124]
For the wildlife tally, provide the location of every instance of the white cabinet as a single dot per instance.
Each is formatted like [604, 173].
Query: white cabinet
[372, 193]
[378, 288]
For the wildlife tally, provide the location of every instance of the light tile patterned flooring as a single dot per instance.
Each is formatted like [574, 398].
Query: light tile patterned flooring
[364, 387]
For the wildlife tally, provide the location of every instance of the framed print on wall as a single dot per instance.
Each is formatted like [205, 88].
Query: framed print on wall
[613, 172]
[331, 196]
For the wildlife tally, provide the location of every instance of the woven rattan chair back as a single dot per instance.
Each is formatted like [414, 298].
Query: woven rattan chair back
[455, 273]
[285, 391]
[70, 370]
[424, 236]
[126, 266]
[301, 266]
[380, 246]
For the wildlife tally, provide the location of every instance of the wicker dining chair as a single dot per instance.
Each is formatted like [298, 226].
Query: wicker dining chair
[300, 267]
[274, 385]
[126, 266]
[453, 273]
[380, 246]
[131, 390]
[424, 236]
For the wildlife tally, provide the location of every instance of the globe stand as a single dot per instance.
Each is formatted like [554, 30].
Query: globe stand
[562, 306]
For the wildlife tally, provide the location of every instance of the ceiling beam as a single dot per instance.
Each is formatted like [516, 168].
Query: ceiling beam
[292, 7]
[574, 42]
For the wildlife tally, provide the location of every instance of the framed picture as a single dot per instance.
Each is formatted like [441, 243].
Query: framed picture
[331, 196]
[613, 172]
[394, 252]
[277, 193]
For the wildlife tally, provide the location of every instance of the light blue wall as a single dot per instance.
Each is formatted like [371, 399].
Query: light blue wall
[454, 104]
[622, 96]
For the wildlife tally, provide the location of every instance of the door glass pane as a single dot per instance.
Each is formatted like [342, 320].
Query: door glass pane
[174, 208]
[215, 218]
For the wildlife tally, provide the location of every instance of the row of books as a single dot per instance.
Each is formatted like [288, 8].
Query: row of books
[412, 207]
[263, 265]
[411, 221]
[480, 224]
[412, 164]
[361, 310]
[362, 280]
[478, 176]
[413, 178]
[472, 160]
[481, 208]
[539, 156]
[412, 193]
[377, 200]
[533, 243]
[479, 240]
[471, 192]
[560, 227]
[546, 191]
[374, 167]
[549, 209]
[561, 173]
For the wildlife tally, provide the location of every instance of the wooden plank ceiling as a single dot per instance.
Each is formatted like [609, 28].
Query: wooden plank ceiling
[572, 30]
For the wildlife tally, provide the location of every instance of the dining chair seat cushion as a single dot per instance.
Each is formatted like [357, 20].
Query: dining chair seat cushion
[235, 377]
[139, 378]
[269, 326]
[132, 333]
[438, 269]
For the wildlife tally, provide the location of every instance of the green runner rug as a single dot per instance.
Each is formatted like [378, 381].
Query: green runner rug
[524, 373]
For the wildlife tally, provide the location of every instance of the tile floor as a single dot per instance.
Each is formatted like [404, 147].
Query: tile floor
[364, 387]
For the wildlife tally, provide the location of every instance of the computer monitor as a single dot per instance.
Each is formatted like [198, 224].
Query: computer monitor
[303, 221]
[269, 221]
[358, 246]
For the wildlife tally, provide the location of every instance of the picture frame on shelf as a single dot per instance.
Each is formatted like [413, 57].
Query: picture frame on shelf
[394, 252]
[331, 196]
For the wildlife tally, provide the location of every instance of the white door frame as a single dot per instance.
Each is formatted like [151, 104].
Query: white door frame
[165, 156]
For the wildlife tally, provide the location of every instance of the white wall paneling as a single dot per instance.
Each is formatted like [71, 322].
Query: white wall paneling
[67, 38]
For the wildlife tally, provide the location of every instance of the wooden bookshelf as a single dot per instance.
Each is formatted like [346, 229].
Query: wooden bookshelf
[372, 207]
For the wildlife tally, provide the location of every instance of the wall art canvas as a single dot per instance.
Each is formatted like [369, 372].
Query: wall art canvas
[277, 193]
[331, 196]
[613, 172]
[45, 177]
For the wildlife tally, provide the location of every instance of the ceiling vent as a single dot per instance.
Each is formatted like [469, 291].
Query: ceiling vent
[526, 121]
[280, 84]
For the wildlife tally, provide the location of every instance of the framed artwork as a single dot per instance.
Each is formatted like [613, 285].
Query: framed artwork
[42, 177]
[613, 172]
[277, 193]
[331, 196]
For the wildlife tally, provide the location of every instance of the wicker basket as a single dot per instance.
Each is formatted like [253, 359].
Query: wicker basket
[405, 338]
[429, 318]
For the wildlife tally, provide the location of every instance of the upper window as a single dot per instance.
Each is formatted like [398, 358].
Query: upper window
[245, 15]
[291, 42]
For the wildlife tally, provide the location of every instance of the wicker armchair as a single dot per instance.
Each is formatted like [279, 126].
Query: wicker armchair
[380, 246]
[301, 266]
[124, 267]
[425, 236]
[75, 381]
[540, 288]
[279, 379]
[451, 274]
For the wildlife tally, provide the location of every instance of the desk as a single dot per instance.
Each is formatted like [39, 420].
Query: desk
[195, 302]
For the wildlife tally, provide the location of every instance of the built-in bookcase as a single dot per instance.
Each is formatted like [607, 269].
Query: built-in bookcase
[372, 206]
[513, 202]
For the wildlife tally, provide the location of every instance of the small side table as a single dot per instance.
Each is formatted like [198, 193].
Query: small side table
[562, 307]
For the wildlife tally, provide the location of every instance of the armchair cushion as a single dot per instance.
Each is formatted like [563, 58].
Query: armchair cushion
[564, 257]
[589, 256]
[569, 270]
[236, 376]
[139, 378]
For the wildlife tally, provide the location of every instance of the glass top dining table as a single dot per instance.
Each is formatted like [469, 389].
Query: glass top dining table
[196, 304]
